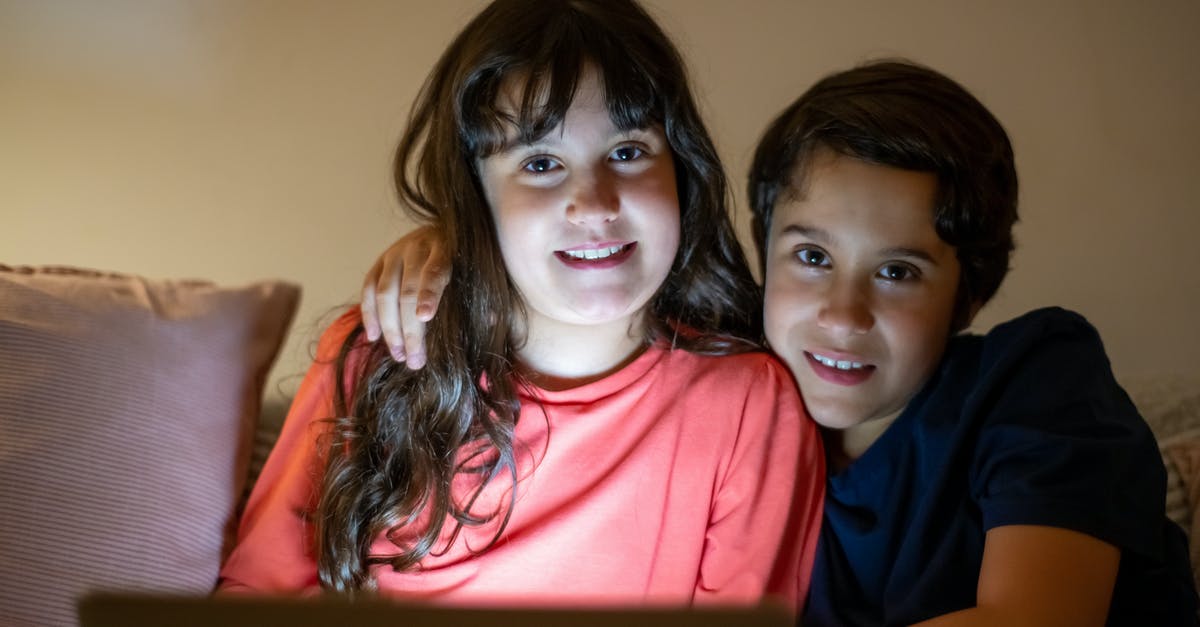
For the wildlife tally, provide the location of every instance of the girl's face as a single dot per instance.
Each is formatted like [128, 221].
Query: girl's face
[860, 289]
[587, 219]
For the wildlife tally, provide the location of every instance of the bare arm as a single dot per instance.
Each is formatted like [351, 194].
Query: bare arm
[401, 293]
[1036, 575]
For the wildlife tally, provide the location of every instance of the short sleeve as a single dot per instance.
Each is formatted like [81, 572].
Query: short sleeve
[1060, 443]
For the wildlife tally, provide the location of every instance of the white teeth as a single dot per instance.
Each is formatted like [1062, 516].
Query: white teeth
[595, 253]
[834, 363]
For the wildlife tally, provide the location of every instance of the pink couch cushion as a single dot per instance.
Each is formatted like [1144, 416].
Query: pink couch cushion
[127, 410]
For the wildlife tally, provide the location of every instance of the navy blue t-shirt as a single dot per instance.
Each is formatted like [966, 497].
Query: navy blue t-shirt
[1023, 426]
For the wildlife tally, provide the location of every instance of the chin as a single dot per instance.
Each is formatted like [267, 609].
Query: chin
[603, 317]
[834, 420]
[839, 425]
[834, 413]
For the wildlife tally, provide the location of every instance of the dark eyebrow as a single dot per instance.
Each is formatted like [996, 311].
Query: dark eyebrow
[912, 253]
[619, 134]
[810, 232]
[821, 236]
[513, 144]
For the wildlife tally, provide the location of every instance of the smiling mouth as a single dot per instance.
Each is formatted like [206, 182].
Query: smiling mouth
[839, 371]
[595, 253]
[598, 258]
[835, 363]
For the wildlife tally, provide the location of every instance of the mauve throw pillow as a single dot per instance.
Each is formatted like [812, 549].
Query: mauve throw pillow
[127, 408]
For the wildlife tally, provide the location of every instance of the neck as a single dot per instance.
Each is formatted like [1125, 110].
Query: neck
[843, 446]
[560, 356]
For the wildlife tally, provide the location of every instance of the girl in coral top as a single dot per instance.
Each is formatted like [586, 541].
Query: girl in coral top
[596, 422]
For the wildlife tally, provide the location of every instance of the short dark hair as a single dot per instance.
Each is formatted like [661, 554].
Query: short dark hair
[900, 114]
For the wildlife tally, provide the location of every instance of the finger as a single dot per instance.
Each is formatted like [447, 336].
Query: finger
[435, 275]
[387, 295]
[366, 304]
[410, 288]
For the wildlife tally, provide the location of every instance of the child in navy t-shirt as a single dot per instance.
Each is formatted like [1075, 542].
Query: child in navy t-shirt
[1004, 479]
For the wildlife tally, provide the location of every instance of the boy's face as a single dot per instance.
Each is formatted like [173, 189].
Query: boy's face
[860, 290]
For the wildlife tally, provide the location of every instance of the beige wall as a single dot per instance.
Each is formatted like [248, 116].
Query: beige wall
[243, 139]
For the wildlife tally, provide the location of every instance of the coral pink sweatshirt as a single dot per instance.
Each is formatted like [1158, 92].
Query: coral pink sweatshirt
[679, 479]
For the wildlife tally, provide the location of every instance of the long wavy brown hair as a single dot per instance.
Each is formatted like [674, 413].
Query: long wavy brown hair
[404, 436]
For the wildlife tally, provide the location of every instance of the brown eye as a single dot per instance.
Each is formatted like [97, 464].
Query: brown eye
[812, 257]
[538, 165]
[627, 153]
[896, 272]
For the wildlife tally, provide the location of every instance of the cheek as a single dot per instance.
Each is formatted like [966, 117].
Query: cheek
[659, 198]
[655, 187]
[783, 311]
[516, 211]
[920, 334]
[672, 224]
[670, 241]
[659, 214]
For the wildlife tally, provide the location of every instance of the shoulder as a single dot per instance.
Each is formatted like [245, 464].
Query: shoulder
[745, 386]
[1059, 443]
[738, 371]
[731, 362]
[1041, 381]
[1047, 333]
[1040, 327]
[1044, 382]
[332, 351]
[1050, 348]
[329, 346]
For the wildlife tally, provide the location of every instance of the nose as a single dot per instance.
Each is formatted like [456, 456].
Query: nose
[594, 199]
[846, 309]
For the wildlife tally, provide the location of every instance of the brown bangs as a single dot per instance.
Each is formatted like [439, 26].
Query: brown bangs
[548, 69]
